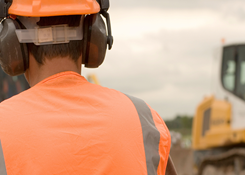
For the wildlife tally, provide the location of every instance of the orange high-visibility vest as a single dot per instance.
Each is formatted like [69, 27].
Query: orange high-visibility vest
[65, 125]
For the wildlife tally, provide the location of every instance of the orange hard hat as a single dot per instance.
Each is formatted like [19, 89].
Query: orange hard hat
[40, 8]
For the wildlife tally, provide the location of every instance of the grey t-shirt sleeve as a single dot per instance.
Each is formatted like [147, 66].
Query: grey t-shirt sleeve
[170, 169]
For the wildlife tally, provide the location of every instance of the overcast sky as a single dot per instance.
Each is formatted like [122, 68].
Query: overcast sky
[164, 49]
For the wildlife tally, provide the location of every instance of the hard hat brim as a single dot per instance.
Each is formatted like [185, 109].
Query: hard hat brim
[40, 10]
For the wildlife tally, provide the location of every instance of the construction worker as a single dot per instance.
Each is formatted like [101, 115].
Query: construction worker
[63, 124]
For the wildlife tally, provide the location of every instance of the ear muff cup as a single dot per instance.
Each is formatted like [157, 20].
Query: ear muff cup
[13, 55]
[94, 41]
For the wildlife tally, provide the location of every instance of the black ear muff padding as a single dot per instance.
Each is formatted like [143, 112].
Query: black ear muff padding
[94, 41]
[13, 55]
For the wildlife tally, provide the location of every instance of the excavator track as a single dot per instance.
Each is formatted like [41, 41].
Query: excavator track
[233, 158]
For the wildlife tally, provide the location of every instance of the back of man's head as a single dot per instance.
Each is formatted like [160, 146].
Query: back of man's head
[49, 29]
[73, 49]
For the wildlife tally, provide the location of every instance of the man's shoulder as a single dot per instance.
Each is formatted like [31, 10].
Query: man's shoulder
[145, 109]
[15, 103]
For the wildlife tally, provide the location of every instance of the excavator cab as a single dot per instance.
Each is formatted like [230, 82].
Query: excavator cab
[10, 86]
[233, 70]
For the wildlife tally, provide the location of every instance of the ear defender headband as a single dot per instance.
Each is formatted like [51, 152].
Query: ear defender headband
[14, 57]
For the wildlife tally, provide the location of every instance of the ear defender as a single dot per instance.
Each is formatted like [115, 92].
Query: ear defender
[13, 55]
[94, 41]
[95, 38]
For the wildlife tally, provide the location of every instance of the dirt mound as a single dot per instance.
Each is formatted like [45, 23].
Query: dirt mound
[229, 170]
[183, 160]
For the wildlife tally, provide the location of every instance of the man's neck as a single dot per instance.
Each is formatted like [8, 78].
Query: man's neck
[37, 73]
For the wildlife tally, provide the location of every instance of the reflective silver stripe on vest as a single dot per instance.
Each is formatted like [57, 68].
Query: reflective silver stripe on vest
[3, 170]
[151, 135]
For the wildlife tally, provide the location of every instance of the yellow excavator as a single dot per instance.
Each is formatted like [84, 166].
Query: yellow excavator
[218, 133]
[92, 78]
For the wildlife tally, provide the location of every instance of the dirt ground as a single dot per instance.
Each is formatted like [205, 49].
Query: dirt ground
[183, 161]
[182, 158]
[210, 170]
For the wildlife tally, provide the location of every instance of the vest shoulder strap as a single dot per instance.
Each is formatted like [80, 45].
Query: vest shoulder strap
[151, 135]
[3, 170]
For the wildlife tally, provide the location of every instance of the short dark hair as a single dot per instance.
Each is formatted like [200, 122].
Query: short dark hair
[73, 49]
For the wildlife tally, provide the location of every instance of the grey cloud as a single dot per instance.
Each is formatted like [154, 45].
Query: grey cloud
[171, 4]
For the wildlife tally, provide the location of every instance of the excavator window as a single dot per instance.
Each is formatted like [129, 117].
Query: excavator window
[229, 69]
[10, 86]
[241, 72]
[233, 70]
